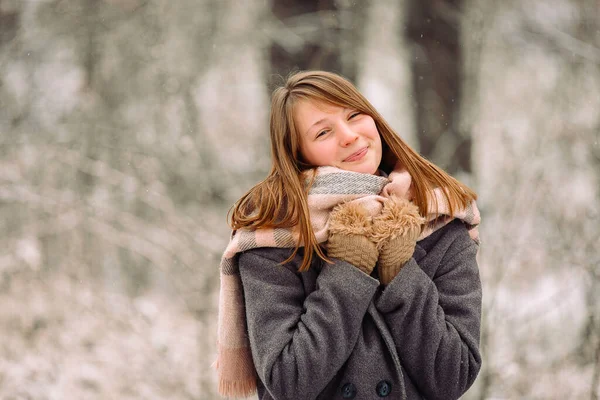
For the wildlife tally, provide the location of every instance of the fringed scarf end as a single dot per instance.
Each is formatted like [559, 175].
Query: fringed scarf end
[237, 389]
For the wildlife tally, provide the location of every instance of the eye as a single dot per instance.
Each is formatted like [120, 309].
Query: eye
[354, 114]
[321, 133]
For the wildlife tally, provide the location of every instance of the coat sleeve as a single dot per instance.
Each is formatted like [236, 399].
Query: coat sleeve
[435, 322]
[299, 341]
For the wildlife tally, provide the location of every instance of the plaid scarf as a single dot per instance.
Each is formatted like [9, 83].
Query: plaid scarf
[331, 186]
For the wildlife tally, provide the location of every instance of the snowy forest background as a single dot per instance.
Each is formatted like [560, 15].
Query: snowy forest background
[129, 127]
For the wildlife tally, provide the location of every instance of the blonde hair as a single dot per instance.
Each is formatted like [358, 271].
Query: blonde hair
[280, 200]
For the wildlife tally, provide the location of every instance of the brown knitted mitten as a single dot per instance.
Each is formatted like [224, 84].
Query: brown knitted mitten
[350, 226]
[395, 231]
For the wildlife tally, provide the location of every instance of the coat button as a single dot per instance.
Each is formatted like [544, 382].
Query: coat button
[384, 388]
[348, 391]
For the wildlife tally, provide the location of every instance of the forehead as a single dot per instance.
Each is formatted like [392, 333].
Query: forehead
[307, 112]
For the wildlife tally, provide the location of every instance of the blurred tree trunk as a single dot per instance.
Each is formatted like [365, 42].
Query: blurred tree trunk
[589, 33]
[9, 23]
[433, 29]
[317, 34]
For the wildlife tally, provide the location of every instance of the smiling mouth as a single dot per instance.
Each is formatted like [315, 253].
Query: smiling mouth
[358, 155]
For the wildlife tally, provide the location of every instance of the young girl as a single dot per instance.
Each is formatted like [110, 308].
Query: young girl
[351, 271]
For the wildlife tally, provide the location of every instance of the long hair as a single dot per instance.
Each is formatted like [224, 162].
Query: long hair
[280, 200]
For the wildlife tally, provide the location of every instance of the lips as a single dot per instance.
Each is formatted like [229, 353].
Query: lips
[357, 155]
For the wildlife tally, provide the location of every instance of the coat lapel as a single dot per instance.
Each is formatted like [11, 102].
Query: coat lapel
[419, 253]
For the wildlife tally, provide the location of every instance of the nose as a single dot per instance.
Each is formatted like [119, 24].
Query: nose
[347, 135]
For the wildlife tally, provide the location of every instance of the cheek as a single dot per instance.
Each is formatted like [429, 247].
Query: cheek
[371, 128]
[378, 144]
[325, 151]
[317, 153]
[305, 148]
[374, 134]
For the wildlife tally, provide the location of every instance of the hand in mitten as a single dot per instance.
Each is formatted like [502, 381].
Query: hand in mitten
[395, 230]
[350, 226]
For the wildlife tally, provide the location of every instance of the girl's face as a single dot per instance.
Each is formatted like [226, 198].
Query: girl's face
[337, 136]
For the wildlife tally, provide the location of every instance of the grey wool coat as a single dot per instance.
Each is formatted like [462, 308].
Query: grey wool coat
[334, 332]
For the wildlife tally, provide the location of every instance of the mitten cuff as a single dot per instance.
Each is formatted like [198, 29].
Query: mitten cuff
[392, 258]
[387, 274]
